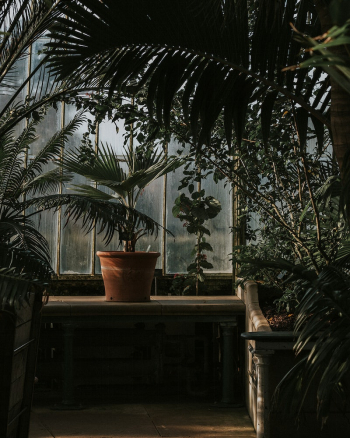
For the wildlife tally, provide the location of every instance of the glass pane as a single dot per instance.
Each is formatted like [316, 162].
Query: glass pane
[42, 82]
[220, 236]
[75, 245]
[150, 202]
[108, 134]
[46, 129]
[100, 244]
[47, 223]
[18, 75]
[178, 250]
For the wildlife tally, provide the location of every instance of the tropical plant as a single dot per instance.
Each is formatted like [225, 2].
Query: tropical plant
[23, 105]
[24, 259]
[323, 316]
[20, 273]
[323, 312]
[277, 181]
[195, 211]
[22, 24]
[227, 55]
[287, 218]
[124, 187]
[22, 183]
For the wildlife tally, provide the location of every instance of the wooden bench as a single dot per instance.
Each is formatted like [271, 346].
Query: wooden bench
[73, 312]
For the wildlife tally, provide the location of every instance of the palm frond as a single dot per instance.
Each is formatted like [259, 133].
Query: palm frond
[93, 192]
[104, 167]
[22, 23]
[48, 153]
[337, 65]
[16, 228]
[47, 182]
[296, 271]
[18, 181]
[13, 159]
[145, 175]
[105, 215]
[20, 271]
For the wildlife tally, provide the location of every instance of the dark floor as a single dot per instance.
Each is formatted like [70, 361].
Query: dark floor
[124, 412]
[196, 419]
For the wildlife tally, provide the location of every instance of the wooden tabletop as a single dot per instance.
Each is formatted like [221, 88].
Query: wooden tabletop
[159, 305]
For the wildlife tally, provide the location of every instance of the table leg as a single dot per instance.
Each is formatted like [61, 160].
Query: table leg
[228, 365]
[68, 401]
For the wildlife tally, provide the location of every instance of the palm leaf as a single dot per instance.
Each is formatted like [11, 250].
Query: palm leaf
[104, 168]
[337, 66]
[105, 215]
[21, 232]
[47, 182]
[31, 180]
[19, 272]
[11, 165]
[17, 182]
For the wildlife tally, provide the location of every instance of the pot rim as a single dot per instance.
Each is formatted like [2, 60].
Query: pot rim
[127, 254]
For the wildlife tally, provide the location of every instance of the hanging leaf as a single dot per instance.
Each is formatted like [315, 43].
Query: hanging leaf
[266, 114]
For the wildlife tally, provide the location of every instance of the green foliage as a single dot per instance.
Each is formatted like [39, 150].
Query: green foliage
[194, 211]
[183, 285]
[24, 255]
[104, 167]
[225, 57]
[23, 23]
[290, 201]
[110, 184]
[20, 273]
[323, 316]
[21, 183]
[329, 51]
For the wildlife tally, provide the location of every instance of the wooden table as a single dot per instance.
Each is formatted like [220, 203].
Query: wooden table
[74, 311]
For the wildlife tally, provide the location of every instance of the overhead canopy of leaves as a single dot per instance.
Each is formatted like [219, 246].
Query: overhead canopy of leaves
[222, 54]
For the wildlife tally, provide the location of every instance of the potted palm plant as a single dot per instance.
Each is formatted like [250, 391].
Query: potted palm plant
[127, 274]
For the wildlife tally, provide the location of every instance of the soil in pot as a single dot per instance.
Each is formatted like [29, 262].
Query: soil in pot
[128, 276]
[279, 320]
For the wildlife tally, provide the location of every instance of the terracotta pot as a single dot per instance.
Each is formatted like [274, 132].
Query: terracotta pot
[128, 276]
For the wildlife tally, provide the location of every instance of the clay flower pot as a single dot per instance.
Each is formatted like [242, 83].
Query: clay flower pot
[128, 276]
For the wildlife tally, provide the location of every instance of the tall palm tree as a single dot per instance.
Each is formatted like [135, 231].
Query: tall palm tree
[222, 54]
